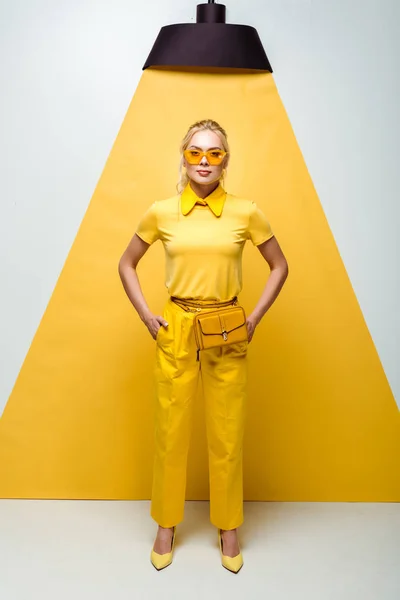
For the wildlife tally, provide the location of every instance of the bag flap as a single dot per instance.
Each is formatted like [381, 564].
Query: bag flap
[212, 324]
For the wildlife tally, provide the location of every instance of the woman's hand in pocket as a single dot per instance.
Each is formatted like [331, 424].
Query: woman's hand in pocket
[251, 324]
[153, 324]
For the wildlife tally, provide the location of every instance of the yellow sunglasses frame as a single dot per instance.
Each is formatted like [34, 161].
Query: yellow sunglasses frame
[211, 160]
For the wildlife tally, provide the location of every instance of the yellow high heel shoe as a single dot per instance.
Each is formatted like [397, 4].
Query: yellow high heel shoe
[160, 561]
[232, 563]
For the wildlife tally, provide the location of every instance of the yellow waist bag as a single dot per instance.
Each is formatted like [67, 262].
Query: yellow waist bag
[220, 327]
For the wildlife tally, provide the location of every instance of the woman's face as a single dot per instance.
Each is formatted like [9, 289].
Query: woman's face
[204, 173]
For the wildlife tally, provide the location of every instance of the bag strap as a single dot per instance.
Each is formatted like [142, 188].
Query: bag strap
[197, 305]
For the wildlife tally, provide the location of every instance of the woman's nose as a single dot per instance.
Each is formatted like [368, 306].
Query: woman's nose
[204, 161]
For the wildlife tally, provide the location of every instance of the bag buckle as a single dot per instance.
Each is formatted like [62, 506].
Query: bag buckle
[225, 335]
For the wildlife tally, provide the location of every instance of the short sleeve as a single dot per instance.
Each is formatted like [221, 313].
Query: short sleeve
[259, 229]
[147, 228]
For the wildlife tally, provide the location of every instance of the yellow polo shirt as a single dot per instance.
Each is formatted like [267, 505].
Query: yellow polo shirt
[203, 241]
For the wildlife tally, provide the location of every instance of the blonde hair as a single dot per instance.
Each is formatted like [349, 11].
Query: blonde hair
[205, 124]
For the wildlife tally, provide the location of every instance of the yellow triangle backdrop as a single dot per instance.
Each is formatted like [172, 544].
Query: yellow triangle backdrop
[322, 421]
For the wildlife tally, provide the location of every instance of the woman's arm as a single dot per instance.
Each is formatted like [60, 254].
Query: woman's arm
[274, 256]
[127, 272]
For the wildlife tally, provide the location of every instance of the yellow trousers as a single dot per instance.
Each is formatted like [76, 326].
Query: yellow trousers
[223, 371]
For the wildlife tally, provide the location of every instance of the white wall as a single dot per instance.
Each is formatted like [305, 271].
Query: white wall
[68, 72]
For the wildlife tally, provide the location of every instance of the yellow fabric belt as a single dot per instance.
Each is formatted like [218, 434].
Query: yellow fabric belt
[197, 305]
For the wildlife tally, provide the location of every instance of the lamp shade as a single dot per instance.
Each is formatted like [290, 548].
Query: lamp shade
[210, 42]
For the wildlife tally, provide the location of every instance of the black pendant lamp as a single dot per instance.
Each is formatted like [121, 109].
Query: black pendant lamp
[210, 42]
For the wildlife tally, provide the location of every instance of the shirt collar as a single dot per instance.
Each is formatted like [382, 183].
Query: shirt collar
[215, 200]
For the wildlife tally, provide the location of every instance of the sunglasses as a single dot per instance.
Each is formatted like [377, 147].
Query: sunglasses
[214, 157]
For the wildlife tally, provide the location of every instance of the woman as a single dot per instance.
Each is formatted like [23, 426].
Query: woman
[203, 230]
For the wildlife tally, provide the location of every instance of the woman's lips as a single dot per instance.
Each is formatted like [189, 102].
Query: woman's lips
[203, 173]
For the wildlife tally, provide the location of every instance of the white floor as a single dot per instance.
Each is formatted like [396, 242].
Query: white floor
[63, 549]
